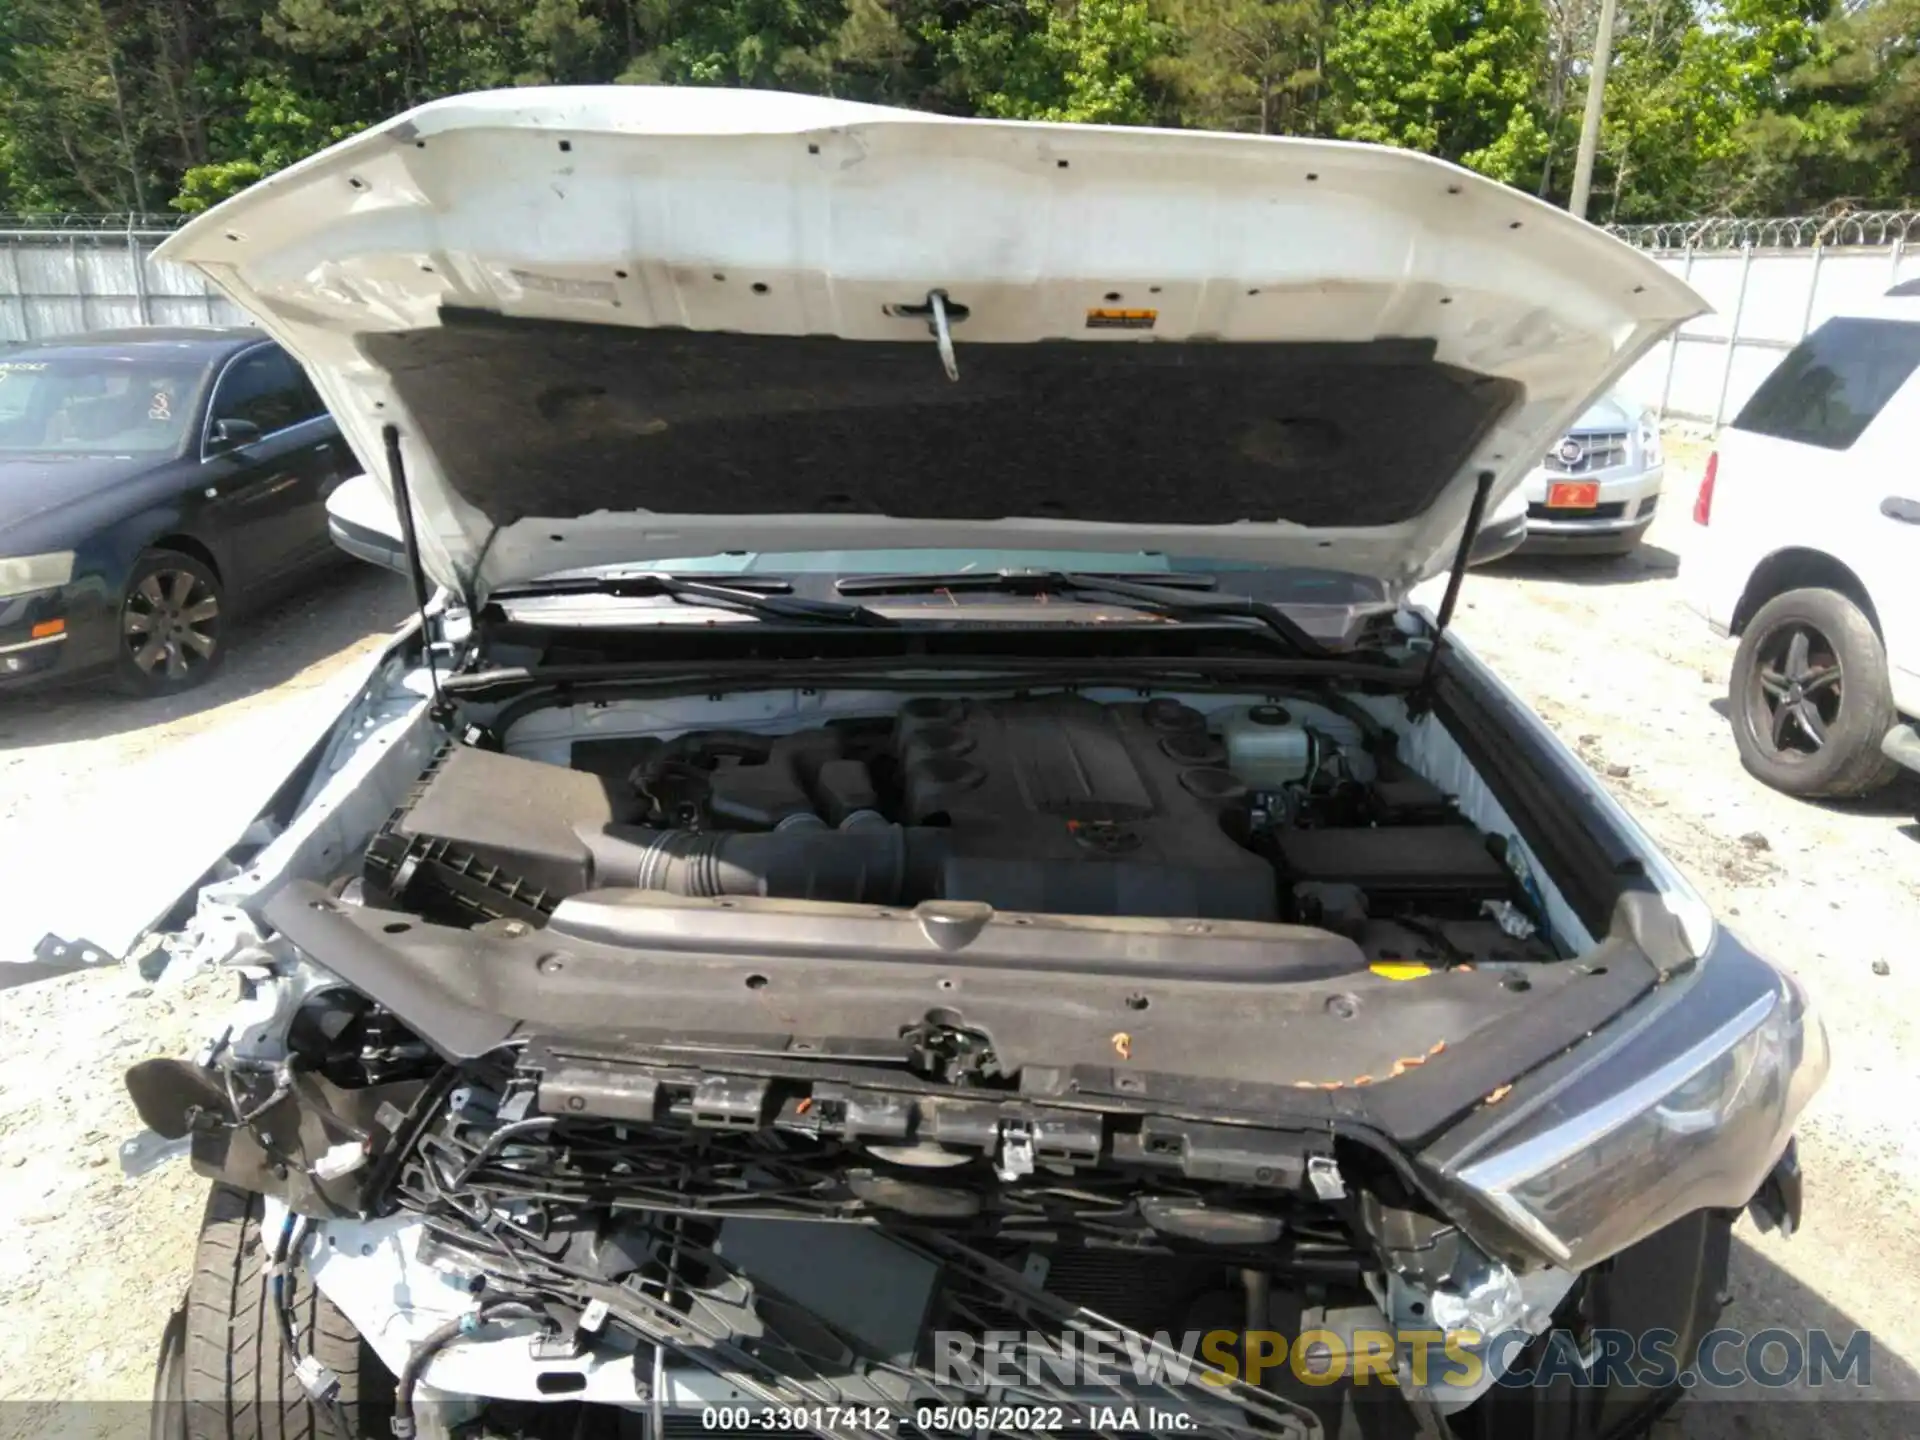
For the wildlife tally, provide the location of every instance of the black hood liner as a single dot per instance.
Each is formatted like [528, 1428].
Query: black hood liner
[536, 417]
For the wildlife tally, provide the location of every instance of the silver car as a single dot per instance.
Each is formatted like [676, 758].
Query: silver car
[1595, 491]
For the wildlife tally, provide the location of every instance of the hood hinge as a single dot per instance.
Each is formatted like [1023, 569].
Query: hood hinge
[1421, 700]
[410, 540]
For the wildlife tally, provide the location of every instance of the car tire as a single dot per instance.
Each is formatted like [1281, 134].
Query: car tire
[167, 1418]
[172, 624]
[235, 1380]
[1811, 697]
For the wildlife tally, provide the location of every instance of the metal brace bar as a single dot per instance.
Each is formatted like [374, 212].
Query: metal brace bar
[1733, 336]
[136, 253]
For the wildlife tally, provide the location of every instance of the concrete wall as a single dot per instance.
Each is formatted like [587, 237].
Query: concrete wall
[61, 282]
[1765, 296]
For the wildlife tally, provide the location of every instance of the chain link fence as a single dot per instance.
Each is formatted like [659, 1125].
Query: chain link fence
[1769, 282]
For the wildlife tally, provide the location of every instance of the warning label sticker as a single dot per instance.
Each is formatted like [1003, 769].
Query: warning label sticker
[1121, 319]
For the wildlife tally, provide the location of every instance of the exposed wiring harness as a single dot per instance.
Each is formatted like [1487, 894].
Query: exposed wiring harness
[319, 1381]
[460, 1327]
[244, 1115]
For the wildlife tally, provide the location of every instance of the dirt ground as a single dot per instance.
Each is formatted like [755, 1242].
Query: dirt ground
[90, 1264]
[1605, 651]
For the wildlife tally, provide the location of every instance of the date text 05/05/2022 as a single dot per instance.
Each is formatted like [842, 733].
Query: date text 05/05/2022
[959, 1419]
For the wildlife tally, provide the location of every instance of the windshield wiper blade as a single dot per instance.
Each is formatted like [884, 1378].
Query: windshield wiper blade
[1028, 581]
[1167, 595]
[750, 600]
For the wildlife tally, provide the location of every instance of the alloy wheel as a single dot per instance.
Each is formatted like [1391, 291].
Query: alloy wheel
[171, 624]
[1797, 690]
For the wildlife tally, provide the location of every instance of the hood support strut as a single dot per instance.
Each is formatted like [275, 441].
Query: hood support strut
[1476, 512]
[410, 539]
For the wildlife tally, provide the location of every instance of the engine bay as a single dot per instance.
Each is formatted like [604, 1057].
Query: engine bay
[740, 1046]
[1285, 811]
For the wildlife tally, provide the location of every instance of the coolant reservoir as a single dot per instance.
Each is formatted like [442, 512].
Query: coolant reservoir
[1266, 746]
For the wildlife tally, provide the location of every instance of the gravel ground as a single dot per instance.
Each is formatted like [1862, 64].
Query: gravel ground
[91, 1264]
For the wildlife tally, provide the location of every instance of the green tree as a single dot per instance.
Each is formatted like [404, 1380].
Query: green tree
[1569, 39]
[279, 125]
[1246, 64]
[1848, 126]
[874, 54]
[1082, 60]
[761, 43]
[1677, 145]
[70, 106]
[1455, 78]
[1712, 105]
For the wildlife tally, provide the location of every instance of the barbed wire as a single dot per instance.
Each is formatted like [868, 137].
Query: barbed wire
[1792, 232]
[78, 223]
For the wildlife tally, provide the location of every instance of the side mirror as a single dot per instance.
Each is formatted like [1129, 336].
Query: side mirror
[233, 434]
[1502, 532]
[361, 520]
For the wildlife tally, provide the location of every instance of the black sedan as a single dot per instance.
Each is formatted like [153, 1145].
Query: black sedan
[153, 483]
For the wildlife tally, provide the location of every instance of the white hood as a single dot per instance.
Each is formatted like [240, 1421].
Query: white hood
[675, 313]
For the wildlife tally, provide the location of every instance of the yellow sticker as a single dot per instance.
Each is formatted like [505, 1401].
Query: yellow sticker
[1400, 969]
[1121, 319]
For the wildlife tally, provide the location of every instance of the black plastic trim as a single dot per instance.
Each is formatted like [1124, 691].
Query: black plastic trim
[833, 997]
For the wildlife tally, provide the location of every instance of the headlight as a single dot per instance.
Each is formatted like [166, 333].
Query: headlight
[1688, 1110]
[23, 574]
[1650, 453]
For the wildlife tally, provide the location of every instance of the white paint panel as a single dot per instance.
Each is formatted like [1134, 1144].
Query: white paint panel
[634, 205]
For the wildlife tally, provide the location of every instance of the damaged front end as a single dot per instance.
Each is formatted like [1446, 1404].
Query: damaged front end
[991, 965]
[865, 1247]
[665, 1134]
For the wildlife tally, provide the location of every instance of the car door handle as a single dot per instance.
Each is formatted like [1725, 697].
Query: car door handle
[1898, 507]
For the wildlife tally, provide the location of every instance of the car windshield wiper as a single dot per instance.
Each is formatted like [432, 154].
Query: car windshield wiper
[1170, 595]
[1017, 579]
[751, 597]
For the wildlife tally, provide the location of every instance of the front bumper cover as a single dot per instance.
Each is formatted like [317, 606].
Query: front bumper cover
[1626, 502]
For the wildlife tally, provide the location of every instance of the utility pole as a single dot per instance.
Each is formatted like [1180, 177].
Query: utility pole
[1590, 123]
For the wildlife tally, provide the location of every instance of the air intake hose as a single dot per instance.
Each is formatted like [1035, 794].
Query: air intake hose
[866, 864]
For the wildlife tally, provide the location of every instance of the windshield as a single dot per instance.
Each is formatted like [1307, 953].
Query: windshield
[96, 405]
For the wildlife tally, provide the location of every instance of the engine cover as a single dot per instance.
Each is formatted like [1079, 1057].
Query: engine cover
[1068, 806]
[1056, 805]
